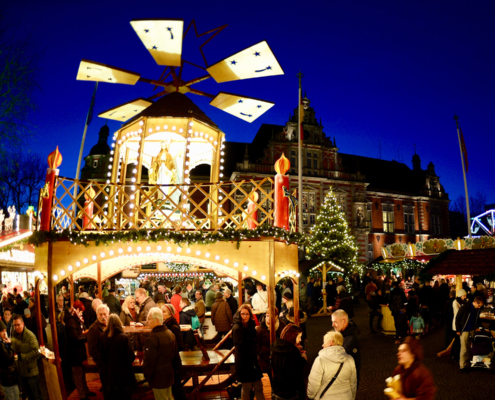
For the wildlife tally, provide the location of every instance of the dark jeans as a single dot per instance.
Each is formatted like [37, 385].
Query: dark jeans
[31, 387]
[373, 314]
[105, 386]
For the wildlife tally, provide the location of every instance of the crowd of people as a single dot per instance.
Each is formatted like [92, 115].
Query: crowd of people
[98, 324]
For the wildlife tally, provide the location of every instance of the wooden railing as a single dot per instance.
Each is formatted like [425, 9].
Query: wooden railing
[191, 207]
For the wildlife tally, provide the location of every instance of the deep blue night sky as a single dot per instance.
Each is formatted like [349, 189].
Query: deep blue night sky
[393, 72]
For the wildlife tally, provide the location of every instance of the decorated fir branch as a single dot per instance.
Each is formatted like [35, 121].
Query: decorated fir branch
[188, 238]
[330, 239]
[178, 267]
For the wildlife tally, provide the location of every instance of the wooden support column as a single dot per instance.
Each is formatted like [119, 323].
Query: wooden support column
[324, 310]
[458, 282]
[98, 266]
[271, 291]
[38, 311]
[296, 301]
[53, 320]
[70, 279]
[239, 283]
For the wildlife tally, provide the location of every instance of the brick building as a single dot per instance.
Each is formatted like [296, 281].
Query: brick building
[385, 201]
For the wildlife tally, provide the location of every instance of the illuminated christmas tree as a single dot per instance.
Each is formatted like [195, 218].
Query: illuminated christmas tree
[330, 239]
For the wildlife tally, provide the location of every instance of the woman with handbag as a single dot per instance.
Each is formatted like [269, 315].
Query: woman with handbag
[246, 360]
[333, 375]
[288, 362]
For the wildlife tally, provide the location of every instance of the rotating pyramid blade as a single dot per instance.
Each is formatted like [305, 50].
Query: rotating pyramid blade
[256, 61]
[246, 108]
[126, 111]
[97, 72]
[162, 38]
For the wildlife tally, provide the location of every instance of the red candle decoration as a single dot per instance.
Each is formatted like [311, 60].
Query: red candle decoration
[89, 196]
[54, 161]
[281, 207]
[252, 210]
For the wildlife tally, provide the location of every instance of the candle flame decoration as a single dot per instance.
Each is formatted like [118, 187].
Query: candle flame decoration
[254, 196]
[282, 165]
[55, 159]
[90, 193]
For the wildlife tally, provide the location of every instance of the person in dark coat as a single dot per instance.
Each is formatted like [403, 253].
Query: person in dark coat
[160, 356]
[288, 362]
[95, 333]
[169, 320]
[161, 294]
[75, 349]
[221, 315]
[8, 372]
[263, 340]
[117, 354]
[20, 306]
[350, 332]
[112, 302]
[186, 314]
[343, 302]
[246, 361]
[231, 301]
[89, 315]
[171, 323]
[448, 318]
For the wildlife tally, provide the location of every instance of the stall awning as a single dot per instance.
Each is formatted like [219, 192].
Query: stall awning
[415, 258]
[464, 262]
[10, 237]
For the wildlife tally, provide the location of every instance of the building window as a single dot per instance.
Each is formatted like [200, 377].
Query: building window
[316, 173]
[308, 160]
[370, 252]
[341, 200]
[95, 163]
[309, 208]
[408, 219]
[315, 163]
[388, 218]
[435, 220]
[368, 215]
[293, 159]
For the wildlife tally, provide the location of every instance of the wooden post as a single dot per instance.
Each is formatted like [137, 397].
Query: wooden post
[296, 302]
[53, 320]
[70, 279]
[239, 285]
[38, 311]
[98, 266]
[271, 291]
[458, 282]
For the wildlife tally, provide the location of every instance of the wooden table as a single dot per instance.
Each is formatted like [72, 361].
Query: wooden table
[147, 329]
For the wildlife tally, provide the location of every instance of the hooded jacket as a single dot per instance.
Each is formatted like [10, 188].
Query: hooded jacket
[288, 367]
[246, 360]
[324, 369]
[221, 315]
[185, 319]
[26, 347]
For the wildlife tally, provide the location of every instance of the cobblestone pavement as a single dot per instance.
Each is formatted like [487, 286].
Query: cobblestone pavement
[378, 358]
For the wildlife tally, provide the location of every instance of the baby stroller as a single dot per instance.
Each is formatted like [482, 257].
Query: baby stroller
[481, 348]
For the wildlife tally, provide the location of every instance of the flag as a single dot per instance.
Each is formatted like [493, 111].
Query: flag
[301, 114]
[91, 106]
[464, 151]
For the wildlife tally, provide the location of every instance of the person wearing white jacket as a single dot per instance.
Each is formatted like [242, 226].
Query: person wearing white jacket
[260, 299]
[325, 368]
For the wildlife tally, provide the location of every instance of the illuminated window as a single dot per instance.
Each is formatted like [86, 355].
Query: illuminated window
[95, 163]
[309, 208]
[408, 219]
[388, 217]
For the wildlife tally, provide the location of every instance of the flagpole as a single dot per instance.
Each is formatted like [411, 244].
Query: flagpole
[299, 152]
[456, 118]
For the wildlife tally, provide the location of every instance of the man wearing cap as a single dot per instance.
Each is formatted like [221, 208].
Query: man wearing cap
[227, 293]
[466, 321]
[8, 371]
[26, 347]
[112, 302]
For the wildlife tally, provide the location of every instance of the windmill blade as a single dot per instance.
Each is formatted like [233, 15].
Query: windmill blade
[97, 72]
[162, 38]
[256, 61]
[127, 110]
[245, 108]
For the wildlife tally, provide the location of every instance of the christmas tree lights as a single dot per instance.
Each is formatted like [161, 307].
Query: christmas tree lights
[330, 239]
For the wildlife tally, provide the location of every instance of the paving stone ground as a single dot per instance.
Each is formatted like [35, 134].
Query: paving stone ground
[379, 358]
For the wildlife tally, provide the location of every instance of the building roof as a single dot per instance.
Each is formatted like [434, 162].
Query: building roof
[102, 146]
[174, 105]
[463, 262]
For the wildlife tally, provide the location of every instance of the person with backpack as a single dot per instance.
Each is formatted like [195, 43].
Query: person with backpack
[186, 315]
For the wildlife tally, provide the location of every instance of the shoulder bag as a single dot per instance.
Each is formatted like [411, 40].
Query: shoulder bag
[332, 381]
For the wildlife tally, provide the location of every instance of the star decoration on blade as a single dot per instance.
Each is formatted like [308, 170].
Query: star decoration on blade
[255, 61]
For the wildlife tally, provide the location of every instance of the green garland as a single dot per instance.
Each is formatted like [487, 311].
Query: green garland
[178, 267]
[188, 238]
[14, 245]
